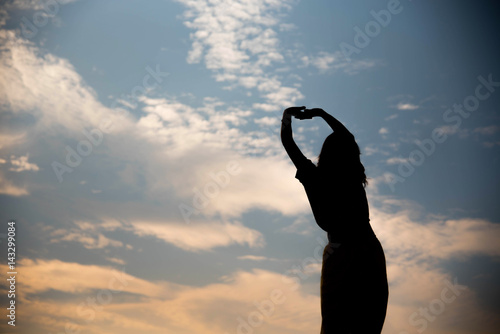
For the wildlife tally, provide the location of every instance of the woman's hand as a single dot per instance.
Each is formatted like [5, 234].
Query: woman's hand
[289, 112]
[309, 113]
[293, 111]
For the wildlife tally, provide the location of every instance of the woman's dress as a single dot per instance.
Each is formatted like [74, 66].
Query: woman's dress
[354, 289]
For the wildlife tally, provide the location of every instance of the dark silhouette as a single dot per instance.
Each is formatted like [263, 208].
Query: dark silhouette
[354, 289]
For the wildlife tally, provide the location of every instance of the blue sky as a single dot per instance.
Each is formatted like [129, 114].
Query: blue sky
[140, 157]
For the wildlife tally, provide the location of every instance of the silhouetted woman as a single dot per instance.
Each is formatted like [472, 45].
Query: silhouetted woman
[354, 289]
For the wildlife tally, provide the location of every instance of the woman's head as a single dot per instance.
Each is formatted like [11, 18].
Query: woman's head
[340, 157]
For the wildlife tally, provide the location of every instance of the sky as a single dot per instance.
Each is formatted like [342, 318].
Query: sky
[140, 160]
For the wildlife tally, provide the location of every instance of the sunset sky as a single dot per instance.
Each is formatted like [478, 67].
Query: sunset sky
[140, 158]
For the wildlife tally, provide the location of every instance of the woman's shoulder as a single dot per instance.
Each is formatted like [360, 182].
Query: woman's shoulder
[306, 171]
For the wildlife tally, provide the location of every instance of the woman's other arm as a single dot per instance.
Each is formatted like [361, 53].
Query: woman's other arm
[332, 121]
[289, 144]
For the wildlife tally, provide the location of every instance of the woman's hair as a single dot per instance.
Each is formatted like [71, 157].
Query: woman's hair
[340, 157]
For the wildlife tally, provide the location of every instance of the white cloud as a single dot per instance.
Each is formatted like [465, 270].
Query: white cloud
[90, 235]
[372, 149]
[331, 62]
[116, 260]
[396, 160]
[303, 225]
[391, 117]
[487, 130]
[267, 121]
[9, 139]
[447, 129]
[21, 164]
[10, 189]
[4, 16]
[37, 5]
[170, 136]
[383, 131]
[415, 244]
[236, 39]
[160, 306]
[200, 236]
[89, 240]
[266, 106]
[403, 225]
[406, 106]
[50, 89]
[254, 258]
[403, 102]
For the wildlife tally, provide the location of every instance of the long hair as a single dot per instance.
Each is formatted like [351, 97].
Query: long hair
[340, 158]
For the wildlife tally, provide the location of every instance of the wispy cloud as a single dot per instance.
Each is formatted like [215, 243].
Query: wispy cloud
[135, 304]
[35, 4]
[7, 187]
[487, 130]
[403, 102]
[88, 235]
[238, 41]
[200, 236]
[330, 62]
[255, 258]
[21, 164]
[406, 106]
[396, 160]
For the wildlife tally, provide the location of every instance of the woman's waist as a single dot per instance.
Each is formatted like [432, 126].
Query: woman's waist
[344, 234]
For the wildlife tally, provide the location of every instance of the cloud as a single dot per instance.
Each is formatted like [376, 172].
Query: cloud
[416, 244]
[406, 106]
[490, 144]
[49, 88]
[188, 142]
[487, 130]
[4, 17]
[10, 189]
[21, 164]
[331, 62]
[195, 143]
[383, 131]
[403, 102]
[267, 121]
[44, 275]
[9, 139]
[396, 160]
[90, 238]
[391, 117]
[237, 40]
[257, 300]
[302, 225]
[36, 5]
[116, 260]
[255, 258]
[402, 225]
[200, 236]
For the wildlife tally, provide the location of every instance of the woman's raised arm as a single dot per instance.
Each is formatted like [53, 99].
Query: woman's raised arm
[287, 138]
[332, 121]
